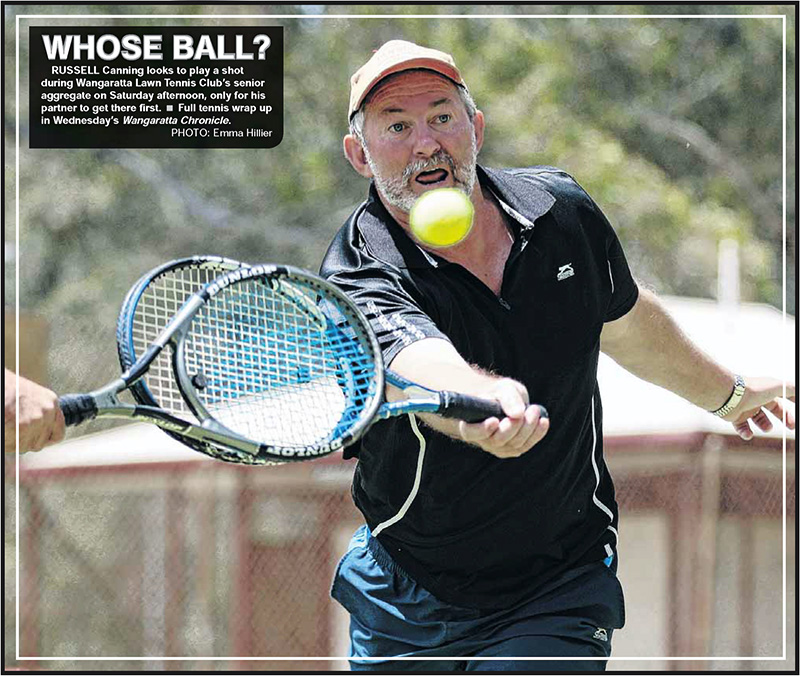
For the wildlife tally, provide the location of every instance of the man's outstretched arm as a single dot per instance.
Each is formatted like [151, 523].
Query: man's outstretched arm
[435, 363]
[648, 342]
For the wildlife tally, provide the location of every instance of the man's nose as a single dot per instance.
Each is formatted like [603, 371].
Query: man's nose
[425, 141]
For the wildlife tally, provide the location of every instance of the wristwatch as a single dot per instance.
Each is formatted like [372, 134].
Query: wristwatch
[735, 398]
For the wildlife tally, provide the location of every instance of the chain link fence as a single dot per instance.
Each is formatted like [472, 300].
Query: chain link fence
[157, 565]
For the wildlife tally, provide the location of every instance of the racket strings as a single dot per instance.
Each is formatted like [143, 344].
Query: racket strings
[160, 301]
[275, 368]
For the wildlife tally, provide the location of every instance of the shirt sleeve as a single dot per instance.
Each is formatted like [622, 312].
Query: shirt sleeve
[387, 299]
[624, 290]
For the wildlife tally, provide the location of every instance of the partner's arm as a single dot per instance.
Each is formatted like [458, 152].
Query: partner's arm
[40, 419]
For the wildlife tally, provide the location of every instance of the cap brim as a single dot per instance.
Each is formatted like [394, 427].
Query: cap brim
[428, 64]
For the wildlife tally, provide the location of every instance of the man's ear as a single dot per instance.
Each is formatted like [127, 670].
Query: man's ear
[354, 152]
[480, 125]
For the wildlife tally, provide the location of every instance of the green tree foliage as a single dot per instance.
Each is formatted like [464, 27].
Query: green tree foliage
[673, 125]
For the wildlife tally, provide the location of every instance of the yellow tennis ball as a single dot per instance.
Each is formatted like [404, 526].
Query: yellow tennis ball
[441, 217]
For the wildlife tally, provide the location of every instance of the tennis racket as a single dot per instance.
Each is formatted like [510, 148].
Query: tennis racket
[266, 364]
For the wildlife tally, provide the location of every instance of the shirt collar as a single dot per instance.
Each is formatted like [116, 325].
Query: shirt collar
[386, 240]
[518, 194]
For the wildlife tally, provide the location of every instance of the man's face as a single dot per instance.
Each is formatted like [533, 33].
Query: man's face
[418, 137]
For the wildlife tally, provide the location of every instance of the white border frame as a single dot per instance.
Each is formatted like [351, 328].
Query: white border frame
[783, 657]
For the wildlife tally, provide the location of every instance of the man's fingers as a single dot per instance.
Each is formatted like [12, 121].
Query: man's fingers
[57, 429]
[543, 425]
[508, 430]
[475, 433]
[534, 429]
[762, 421]
[743, 429]
[512, 400]
[522, 440]
[530, 433]
[60, 427]
[39, 433]
[779, 411]
[30, 439]
[508, 438]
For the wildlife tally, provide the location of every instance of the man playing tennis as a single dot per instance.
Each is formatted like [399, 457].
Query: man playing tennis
[494, 539]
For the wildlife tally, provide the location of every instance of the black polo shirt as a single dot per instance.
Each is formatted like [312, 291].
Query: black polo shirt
[473, 529]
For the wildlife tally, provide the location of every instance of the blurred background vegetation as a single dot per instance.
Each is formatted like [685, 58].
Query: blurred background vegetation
[673, 125]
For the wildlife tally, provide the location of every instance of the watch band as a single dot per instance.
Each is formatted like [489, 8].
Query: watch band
[735, 398]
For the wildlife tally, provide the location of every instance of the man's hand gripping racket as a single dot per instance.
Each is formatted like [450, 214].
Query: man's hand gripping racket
[262, 364]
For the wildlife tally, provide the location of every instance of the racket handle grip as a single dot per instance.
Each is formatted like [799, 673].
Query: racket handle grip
[77, 408]
[469, 409]
[472, 409]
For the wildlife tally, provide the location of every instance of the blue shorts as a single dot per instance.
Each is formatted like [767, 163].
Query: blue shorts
[392, 616]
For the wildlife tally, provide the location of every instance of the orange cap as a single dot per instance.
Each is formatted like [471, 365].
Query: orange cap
[393, 57]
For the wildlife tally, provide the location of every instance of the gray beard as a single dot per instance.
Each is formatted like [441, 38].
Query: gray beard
[396, 190]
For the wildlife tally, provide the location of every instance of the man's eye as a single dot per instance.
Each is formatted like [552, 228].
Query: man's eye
[444, 117]
[397, 127]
